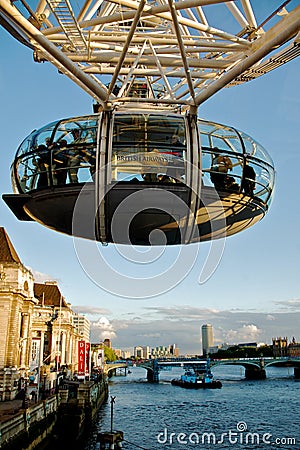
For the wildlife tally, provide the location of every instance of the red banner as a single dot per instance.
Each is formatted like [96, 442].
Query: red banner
[87, 358]
[81, 358]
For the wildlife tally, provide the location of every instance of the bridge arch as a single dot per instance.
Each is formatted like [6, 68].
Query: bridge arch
[110, 368]
[255, 368]
[151, 377]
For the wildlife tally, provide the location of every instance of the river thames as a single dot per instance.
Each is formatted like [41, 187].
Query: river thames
[243, 414]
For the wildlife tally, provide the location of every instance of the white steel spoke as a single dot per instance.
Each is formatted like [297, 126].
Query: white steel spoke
[131, 71]
[182, 50]
[161, 71]
[126, 45]
[237, 14]
[249, 13]
[189, 48]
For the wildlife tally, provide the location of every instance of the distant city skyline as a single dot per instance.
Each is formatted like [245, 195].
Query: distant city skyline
[220, 344]
[210, 343]
[229, 327]
[279, 344]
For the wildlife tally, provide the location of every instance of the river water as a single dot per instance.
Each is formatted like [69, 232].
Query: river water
[243, 414]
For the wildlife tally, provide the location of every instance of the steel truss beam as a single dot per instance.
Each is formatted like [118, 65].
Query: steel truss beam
[183, 50]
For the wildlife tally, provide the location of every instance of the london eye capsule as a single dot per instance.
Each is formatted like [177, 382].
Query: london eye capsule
[144, 169]
[141, 177]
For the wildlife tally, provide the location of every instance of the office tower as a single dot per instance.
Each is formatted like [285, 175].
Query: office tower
[82, 326]
[207, 338]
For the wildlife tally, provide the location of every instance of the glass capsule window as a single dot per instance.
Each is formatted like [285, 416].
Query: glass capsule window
[232, 161]
[222, 156]
[148, 148]
[33, 171]
[143, 147]
[254, 149]
[60, 153]
[36, 138]
[73, 150]
[214, 135]
[263, 180]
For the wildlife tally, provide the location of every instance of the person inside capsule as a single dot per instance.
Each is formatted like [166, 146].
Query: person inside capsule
[248, 180]
[221, 164]
[74, 157]
[60, 162]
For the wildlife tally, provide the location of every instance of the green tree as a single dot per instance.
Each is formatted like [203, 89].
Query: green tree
[109, 354]
[243, 352]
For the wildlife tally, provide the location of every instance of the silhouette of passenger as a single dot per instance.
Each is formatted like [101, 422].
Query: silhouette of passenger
[48, 142]
[248, 180]
[149, 177]
[42, 165]
[179, 146]
[164, 178]
[220, 166]
[74, 156]
[60, 162]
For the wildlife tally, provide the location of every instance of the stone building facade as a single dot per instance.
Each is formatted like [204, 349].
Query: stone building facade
[54, 333]
[38, 336]
[280, 347]
[283, 348]
[17, 304]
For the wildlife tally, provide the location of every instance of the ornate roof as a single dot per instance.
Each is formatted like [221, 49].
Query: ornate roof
[8, 253]
[49, 294]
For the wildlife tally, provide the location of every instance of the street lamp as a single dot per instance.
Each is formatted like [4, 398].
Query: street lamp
[25, 399]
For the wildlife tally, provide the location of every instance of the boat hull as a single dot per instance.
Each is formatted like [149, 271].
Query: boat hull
[214, 384]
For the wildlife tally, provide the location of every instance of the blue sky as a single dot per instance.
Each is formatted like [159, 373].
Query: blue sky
[254, 292]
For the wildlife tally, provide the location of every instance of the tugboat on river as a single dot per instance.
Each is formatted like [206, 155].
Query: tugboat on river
[198, 379]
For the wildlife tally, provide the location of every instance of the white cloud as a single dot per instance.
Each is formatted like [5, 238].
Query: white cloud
[182, 312]
[40, 277]
[150, 335]
[250, 331]
[270, 317]
[288, 305]
[90, 310]
[181, 325]
[102, 329]
[246, 333]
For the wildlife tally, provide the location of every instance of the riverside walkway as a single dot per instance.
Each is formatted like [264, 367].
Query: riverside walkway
[9, 408]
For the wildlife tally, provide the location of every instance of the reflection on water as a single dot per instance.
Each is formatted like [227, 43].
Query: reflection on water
[148, 414]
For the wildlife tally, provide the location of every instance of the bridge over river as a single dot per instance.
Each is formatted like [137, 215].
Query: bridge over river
[255, 368]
